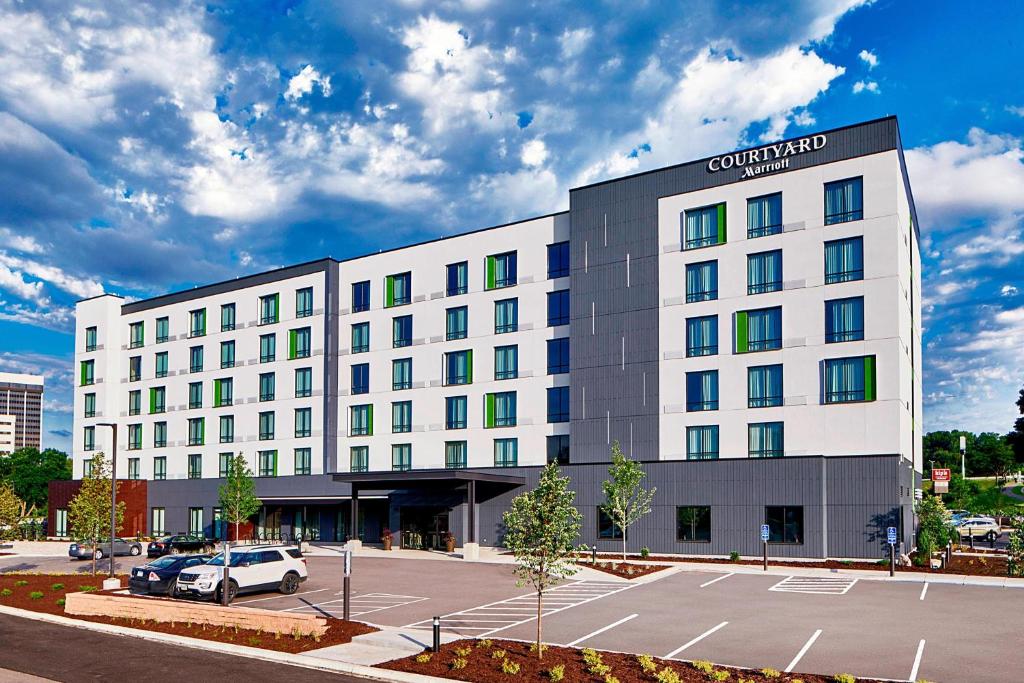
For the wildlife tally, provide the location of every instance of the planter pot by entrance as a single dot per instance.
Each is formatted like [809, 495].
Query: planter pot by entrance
[450, 545]
[387, 543]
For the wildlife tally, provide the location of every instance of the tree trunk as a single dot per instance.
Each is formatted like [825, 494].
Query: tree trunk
[540, 608]
[95, 544]
[623, 543]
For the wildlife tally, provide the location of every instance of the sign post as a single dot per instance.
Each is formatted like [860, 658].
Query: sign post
[890, 534]
[764, 542]
[940, 479]
[347, 582]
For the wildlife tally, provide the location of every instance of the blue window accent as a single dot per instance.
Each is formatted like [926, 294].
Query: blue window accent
[764, 215]
[701, 281]
[558, 404]
[458, 278]
[402, 331]
[849, 380]
[401, 289]
[765, 440]
[844, 201]
[844, 320]
[764, 386]
[558, 308]
[703, 227]
[455, 412]
[702, 390]
[558, 356]
[702, 442]
[360, 337]
[764, 272]
[844, 260]
[505, 409]
[506, 316]
[558, 260]
[702, 336]
[360, 296]
[458, 367]
[764, 329]
[361, 378]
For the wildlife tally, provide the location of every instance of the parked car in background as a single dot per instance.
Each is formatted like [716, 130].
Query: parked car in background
[253, 569]
[179, 543]
[979, 527]
[85, 551]
[160, 576]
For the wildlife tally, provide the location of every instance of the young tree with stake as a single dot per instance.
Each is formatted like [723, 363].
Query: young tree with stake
[89, 511]
[625, 500]
[238, 502]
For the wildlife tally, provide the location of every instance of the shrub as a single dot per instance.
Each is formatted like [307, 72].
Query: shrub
[770, 673]
[57, 586]
[591, 656]
[734, 556]
[1015, 550]
[719, 675]
[21, 582]
[509, 667]
[497, 654]
[253, 640]
[87, 589]
[35, 595]
[60, 603]
[844, 678]
[423, 658]
[557, 673]
[533, 647]
[703, 665]
[610, 679]
[5, 592]
[645, 552]
[459, 663]
[667, 675]
[599, 669]
[463, 651]
[486, 642]
[647, 663]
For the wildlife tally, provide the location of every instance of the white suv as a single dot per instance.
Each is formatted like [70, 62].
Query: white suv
[253, 568]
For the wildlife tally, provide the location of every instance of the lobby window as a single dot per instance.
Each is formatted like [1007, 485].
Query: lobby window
[558, 449]
[224, 461]
[500, 409]
[135, 402]
[160, 468]
[785, 523]
[303, 382]
[135, 368]
[401, 331]
[158, 527]
[844, 320]
[227, 354]
[361, 378]
[702, 391]
[163, 330]
[360, 420]
[304, 302]
[397, 289]
[266, 424]
[506, 362]
[360, 337]
[197, 323]
[196, 431]
[195, 395]
[458, 367]
[270, 306]
[693, 523]
[61, 522]
[401, 374]
[455, 412]
[759, 330]
[227, 429]
[506, 316]
[764, 386]
[765, 440]
[701, 281]
[267, 463]
[455, 455]
[137, 335]
[501, 270]
[558, 356]
[268, 347]
[267, 386]
[161, 365]
[607, 530]
[195, 466]
[401, 457]
[157, 400]
[506, 452]
[227, 317]
[90, 339]
[456, 323]
[401, 417]
[303, 422]
[844, 201]
[195, 359]
[764, 272]
[558, 404]
[764, 215]
[134, 437]
[702, 442]
[90, 406]
[558, 308]
[359, 458]
[360, 296]
[159, 435]
[303, 461]
[850, 380]
[704, 227]
[457, 278]
[195, 522]
[844, 260]
[300, 343]
[702, 336]
[87, 372]
[558, 260]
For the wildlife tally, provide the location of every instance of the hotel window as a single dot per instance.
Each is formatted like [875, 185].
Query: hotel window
[455, 455]
[89, 438]
[558, 404]
[401, 417]
[195, 359]
[360, 296]
[163, 330]
[785, 523]
[500, 409]
[227, 317]
[759, 330]
[506, 452]
[506, 362]
[303, 382]
[90, 339]
[267, 386]
[269, 309]
[158, 527]
[359, 458]
[850, 380]
[224, 461]
[764, 386]
[558, 308]
[90, 406]
[227, 354]
[607, 530]
[765, 440]
[401, 331]
[159, 435]
[844, 260]
[457, 281]
[764, 215]
[135, 368]
[844, 201]
[87, 468]
[458, 367]
[455, 412]
[702, 336]
[157, 400]
[401, 457]
[397, 289]
[135, 402]
[558, 260]
[702, 391]
[268, 463]
[195, 395]
[360, 337]
[303, 422]
[558, 449]
[764, 272]
[701, 281]
[501, 270]
[303, 461]
[361, 420]
[456, 322]
[87, 370]
[300, 343]
[702, 442]
[195, 466]
[506, 316]
[304, 302]
[361, 378]
[558, 356]
[693, 523]
[401, 374]
[160, 468]
[161, 365]
[195, 522]
[704, 227]
[137, 335]
[197, 323]
[844, 320]
[227, 428]
[266, 422]
[61, 522]
[268, 347]
[196, 431]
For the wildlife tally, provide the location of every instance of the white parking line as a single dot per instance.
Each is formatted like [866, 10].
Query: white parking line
[361, 604]
[279, 597]
[601, 630]
[924, 589]
[917, 660]
[817, 585]
[696, 640]
[708, 583]
[803, 651]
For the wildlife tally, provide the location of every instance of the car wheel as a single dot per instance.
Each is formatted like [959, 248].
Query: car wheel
[289, 584]
[135, 550]
[232, 592]
[172, 587]
[97, 554]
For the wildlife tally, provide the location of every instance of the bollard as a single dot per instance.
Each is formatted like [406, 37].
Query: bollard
[892, 560]
[593, 555]
[437, 634]
[949, 552]
[970, 532]
[766, 555]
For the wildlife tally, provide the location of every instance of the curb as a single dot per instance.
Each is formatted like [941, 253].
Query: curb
[862, 574]
[300, 660]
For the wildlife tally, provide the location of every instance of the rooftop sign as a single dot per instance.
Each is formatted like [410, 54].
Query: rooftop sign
[767, 159]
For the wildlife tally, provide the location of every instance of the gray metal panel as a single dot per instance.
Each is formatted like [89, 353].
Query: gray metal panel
[332, 325]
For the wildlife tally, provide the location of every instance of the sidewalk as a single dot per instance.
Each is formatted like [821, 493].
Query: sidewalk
[39, 548]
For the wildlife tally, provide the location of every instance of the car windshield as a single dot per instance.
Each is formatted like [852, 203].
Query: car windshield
[165, 562]
[166, 539]
[236, 559]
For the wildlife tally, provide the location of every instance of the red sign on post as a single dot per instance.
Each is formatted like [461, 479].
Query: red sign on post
[941, 474]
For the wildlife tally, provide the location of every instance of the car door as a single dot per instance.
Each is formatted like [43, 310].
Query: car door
[249, 575]
[272, 568]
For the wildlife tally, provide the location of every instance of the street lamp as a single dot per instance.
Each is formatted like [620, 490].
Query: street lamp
[113, 492]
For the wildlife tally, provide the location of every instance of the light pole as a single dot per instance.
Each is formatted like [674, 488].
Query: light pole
[963, 458]
[113, 492]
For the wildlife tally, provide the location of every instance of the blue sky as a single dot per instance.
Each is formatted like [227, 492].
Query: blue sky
[145, 148]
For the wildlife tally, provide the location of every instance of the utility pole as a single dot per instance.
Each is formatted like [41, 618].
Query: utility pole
[113, 492]
[963, 454]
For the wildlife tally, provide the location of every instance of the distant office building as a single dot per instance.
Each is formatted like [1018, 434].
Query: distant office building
[21, 411]
[7, 426]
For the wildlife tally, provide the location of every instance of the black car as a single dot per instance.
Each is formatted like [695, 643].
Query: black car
[179, 543]
[160, 576]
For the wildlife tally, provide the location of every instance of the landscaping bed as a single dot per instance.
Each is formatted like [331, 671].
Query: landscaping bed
[627, 570]
[485, 661]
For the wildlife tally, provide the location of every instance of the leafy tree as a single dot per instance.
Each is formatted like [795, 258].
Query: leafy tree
[1016, 437]
[542, 527]
[89, 511]
[625, 500]
[962, 493]
[934, 528]
[12, 511]
[238, 501]
[30, 472]
[987, 453]
[1015, 549]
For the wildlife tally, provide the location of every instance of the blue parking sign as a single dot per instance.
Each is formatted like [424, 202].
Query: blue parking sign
[891, 534]
[764, 532]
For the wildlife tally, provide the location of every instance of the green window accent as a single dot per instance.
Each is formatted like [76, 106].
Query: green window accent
[741, 332]
[84, 371]
[870, 378]
[293, 343]
[389, 291]
[721, 223]
[469, 366]
[216, 392]
[152, 401]
[489, 410]
[369, 421]
[277, 316]
[491, 269]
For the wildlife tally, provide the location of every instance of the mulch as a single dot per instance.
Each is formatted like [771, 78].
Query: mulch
[626, 570]
[482, 664]
[52, 602]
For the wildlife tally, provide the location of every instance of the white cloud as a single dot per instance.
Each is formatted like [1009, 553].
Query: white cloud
[302, 83]
[15, 283]
[1008, 290]
[869, 58]
[1018, 111]
[574, 42]
[531, 192]
[652, 78]
[26, 244]
[81, 287]
[866, 86]
[534, 153]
